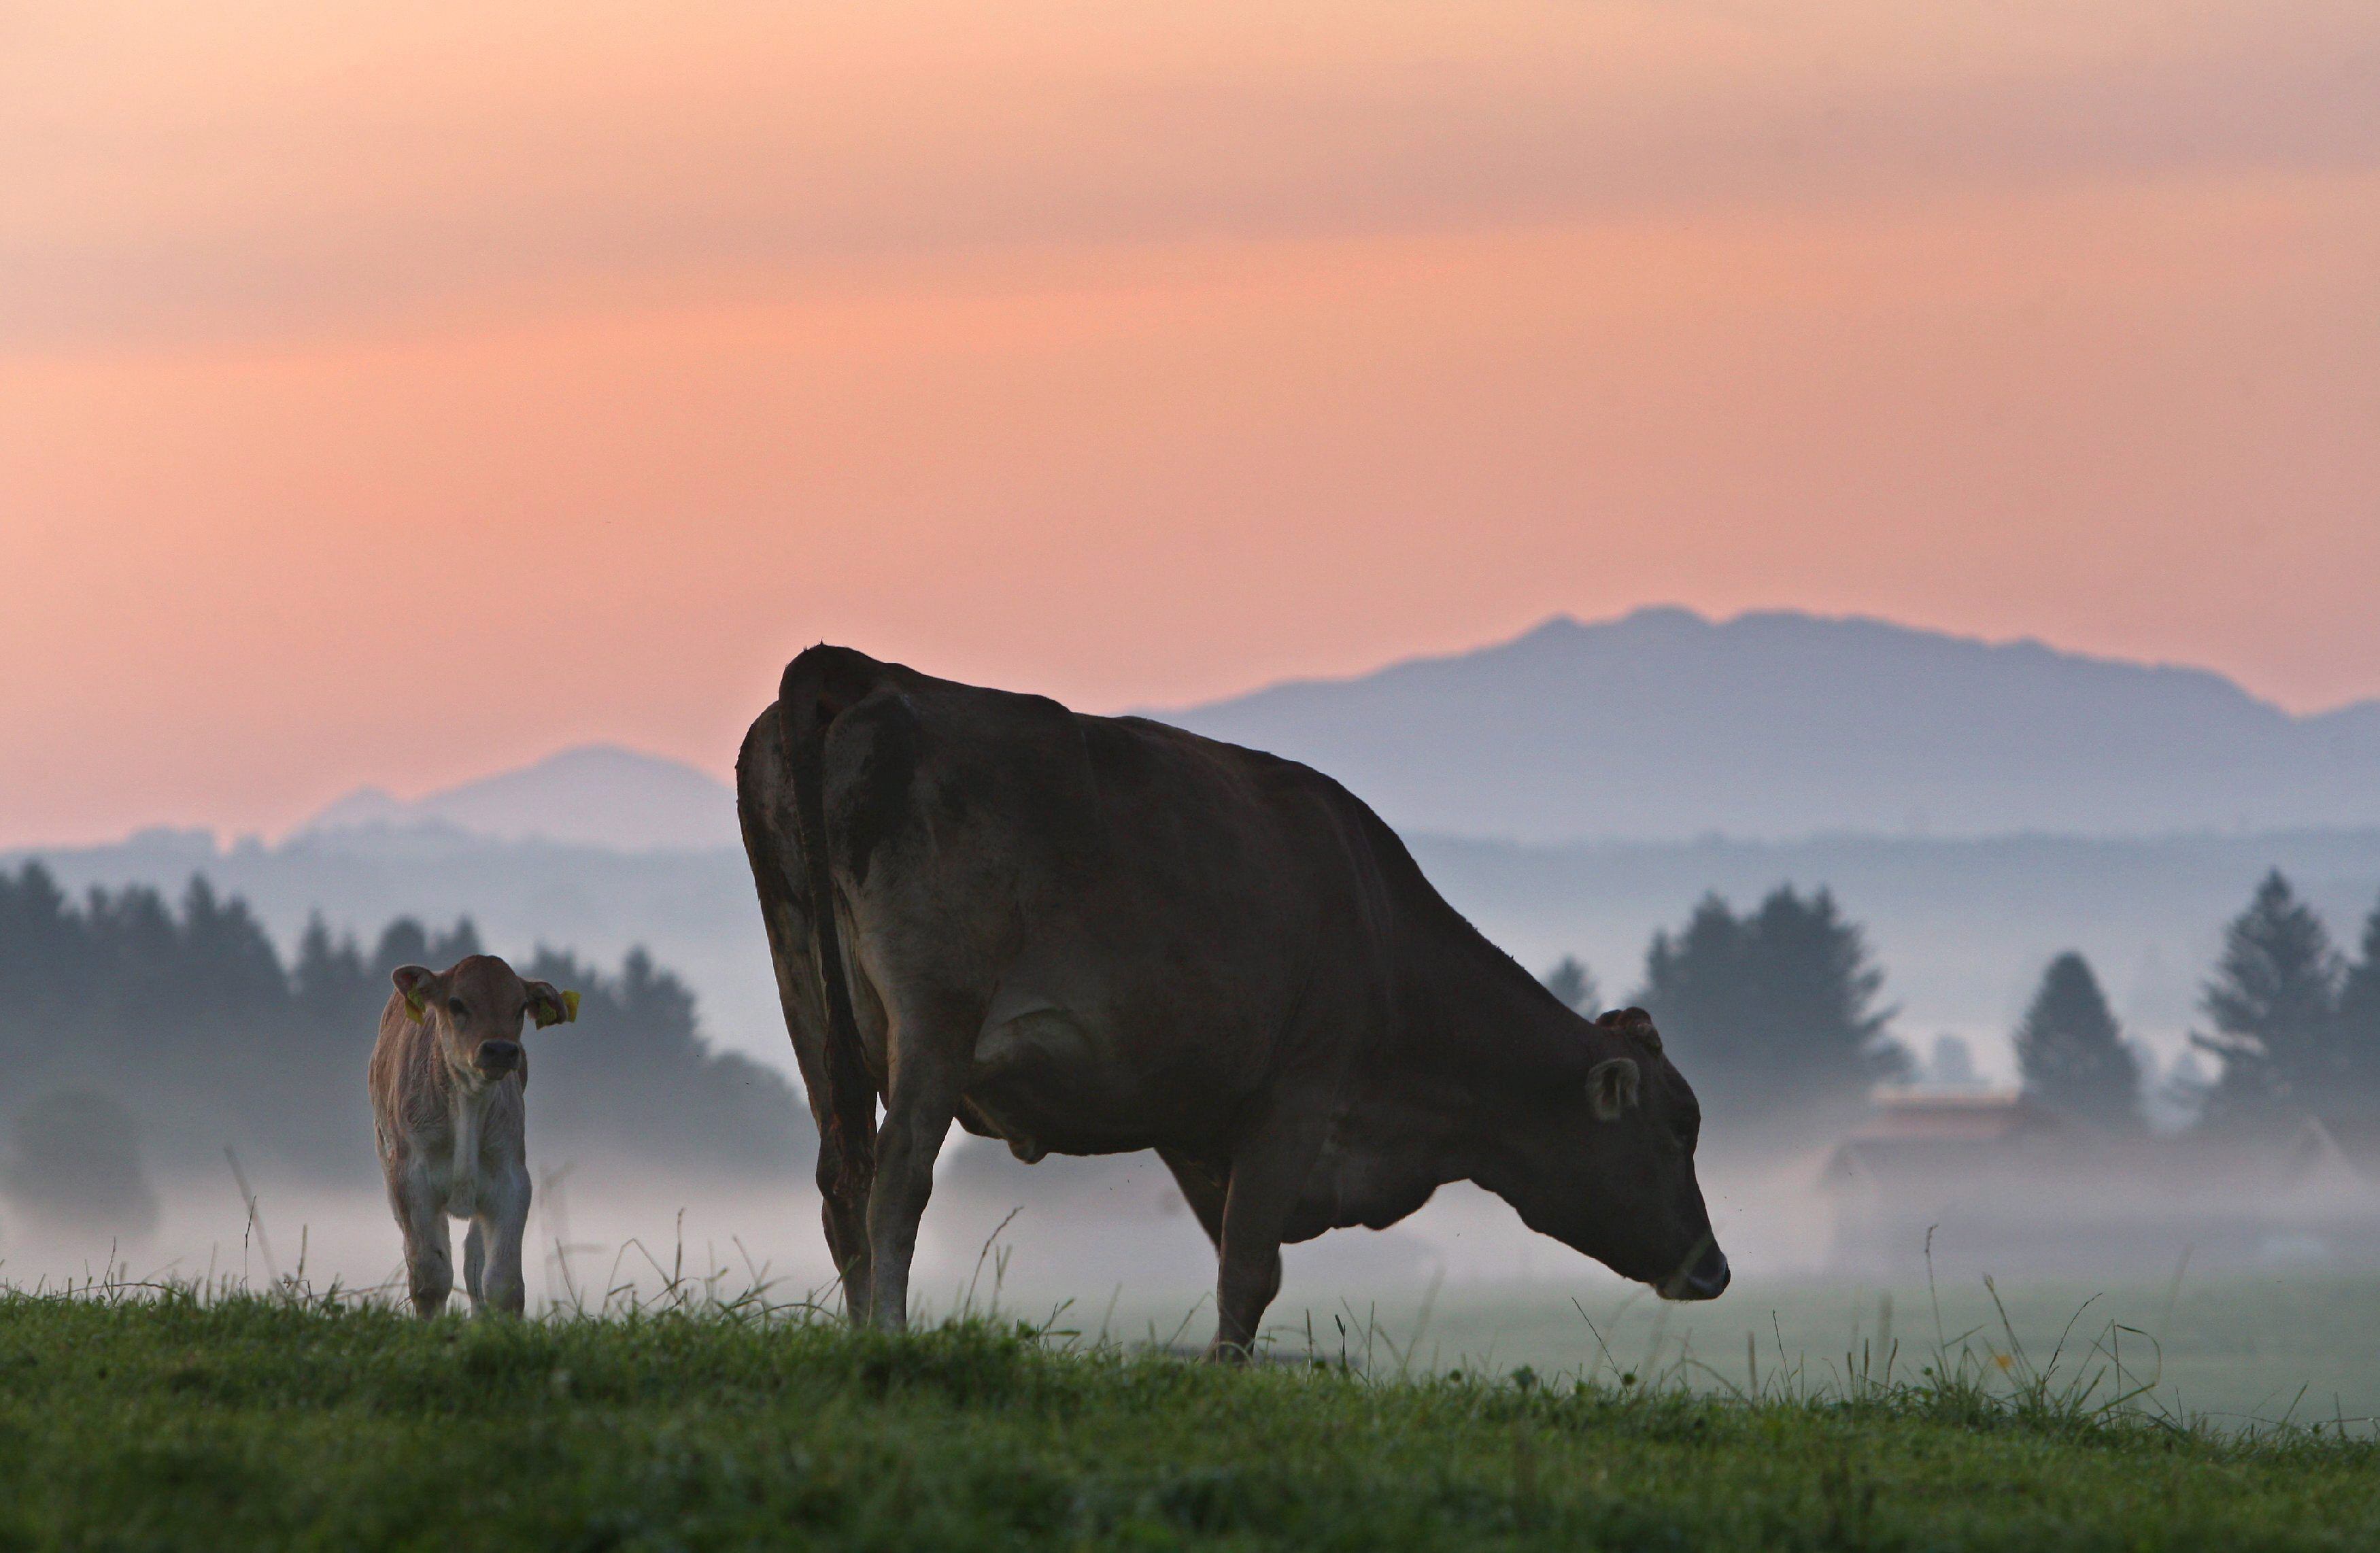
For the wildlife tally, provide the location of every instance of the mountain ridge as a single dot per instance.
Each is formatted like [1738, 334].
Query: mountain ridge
[1658, 725]
[591, 795]
[1665, 725]
[1562, 624]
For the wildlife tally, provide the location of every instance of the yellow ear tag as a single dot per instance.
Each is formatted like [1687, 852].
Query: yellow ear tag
[413, 1006]
[570, 1008]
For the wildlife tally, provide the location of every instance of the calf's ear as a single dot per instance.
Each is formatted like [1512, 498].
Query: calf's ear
[548, 1006]
[1613, 1085]
[417, 983]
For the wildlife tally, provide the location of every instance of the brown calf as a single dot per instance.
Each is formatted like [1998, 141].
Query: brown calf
[446, 1079]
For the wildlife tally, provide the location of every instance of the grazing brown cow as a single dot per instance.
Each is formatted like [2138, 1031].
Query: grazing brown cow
[1088, 935]
[447, 1080]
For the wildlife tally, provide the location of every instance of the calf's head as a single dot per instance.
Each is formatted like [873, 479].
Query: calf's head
[474, 1009]
[1604, 1163]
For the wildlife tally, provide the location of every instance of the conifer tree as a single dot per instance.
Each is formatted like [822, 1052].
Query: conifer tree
[330, 982]
[2273, 1001]
[2358, 1025]
[2071, 1054]
[1574, 985]
[1773, 1011]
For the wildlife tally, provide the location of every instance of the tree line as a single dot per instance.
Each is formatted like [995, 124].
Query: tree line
[1775, 1012]
[187, 1017]
[1772, 1012]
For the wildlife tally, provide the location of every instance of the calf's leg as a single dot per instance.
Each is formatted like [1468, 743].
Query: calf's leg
[503, 1221]
[429, 1251]
[475, 1257]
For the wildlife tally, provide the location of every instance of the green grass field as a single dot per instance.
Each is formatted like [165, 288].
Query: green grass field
[2236, 1350]
[171, 1421]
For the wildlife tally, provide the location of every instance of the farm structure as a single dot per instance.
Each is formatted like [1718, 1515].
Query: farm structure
[1998, 1182]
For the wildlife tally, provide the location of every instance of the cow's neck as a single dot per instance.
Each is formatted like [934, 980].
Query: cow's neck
[1486, 1019]
[1483, 1032]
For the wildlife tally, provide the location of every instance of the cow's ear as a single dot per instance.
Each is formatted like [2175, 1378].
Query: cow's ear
[417, 983]
[549, 1005]
[1612, 1086]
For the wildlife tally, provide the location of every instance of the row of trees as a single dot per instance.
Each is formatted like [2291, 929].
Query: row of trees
[189, 1018]
[1775, 1012]
[2296, 1028]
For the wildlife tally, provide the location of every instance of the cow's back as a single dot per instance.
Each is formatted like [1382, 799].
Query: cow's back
[1156, 922]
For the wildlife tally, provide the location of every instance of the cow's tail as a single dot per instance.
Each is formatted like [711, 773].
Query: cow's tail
[818, 686]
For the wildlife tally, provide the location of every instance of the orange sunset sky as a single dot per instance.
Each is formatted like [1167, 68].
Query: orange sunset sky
[392, 393]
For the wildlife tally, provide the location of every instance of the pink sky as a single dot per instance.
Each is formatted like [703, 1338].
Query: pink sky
[392, 394]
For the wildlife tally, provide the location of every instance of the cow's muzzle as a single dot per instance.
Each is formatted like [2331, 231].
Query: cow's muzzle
[1702, 1275]
[495, 1059]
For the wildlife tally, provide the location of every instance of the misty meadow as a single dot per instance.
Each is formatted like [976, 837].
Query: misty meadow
[1541, 773]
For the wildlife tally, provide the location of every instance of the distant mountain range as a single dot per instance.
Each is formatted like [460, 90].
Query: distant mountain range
[1660, 726]
[1562, 788]
[595, 796]
[1664, 725]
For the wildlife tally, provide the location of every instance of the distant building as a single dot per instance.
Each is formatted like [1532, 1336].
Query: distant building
[2335, 1155]
[2006, 1186]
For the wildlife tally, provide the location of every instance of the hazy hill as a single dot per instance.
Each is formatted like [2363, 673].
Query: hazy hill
[1666, 726]
[1661, 726]
[596, 796]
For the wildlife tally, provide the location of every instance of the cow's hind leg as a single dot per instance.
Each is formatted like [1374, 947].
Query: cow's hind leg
[929, 1065]
[843, 1207]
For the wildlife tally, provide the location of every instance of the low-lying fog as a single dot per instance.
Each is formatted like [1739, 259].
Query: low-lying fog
[2242, 1325]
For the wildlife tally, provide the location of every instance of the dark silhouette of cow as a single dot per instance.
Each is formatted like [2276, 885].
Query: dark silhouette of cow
[1091, 935]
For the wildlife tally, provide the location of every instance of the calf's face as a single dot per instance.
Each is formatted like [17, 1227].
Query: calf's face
[474, 1011]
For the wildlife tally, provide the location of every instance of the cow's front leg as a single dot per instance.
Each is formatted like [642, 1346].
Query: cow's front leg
[1267, 1175]
[1204, 1187]
[918, 1113]
[503, 1222]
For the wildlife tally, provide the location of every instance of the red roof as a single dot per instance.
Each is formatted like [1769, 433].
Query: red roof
[1913, 1115]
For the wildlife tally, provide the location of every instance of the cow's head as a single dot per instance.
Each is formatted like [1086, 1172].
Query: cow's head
[1604, 1163]
[474, 1009]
